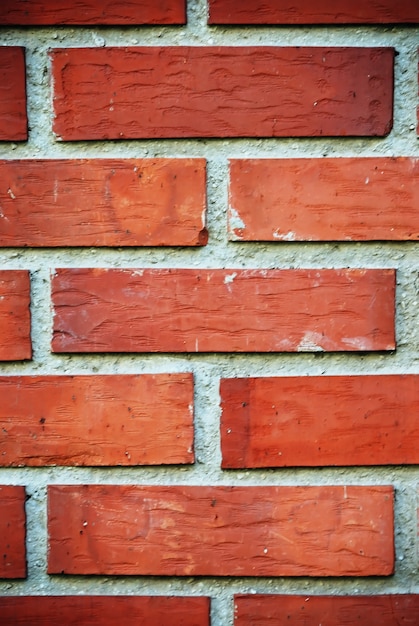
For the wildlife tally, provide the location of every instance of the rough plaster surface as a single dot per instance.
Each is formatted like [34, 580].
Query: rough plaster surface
[208, 369]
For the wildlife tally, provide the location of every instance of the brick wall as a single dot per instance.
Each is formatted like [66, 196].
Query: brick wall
[209, 338]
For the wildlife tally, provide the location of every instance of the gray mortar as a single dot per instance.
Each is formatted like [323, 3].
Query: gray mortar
[208, 369]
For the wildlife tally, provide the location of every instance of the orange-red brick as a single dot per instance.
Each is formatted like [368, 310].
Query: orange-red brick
[91, 12]
[339, 199]
[12, 532]
[104, 610]
[103, 202]
[13, 117]
[220, 531]
[265, 91]
[312, 12]
[96, 420]
[288, 610]
[15, 323]
[181, 310]
[320, 420]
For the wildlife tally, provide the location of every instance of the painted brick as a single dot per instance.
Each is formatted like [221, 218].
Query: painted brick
[103, 202]
[287, 610]
[85, 12]
[320, 420]
[13, 118]
[104, 610]
[220, 531]
[15, 323]
[181, 310]
[312, 12]
[342, 199]
[96, 420]
[263, 91]
[12, 532]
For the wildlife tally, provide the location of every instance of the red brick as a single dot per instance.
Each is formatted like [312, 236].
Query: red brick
[312, 12]
[197, 91]
[12, 532]
[96, 420]
[104, 610]
[13, 118]
[181, 310]
[130, 202]
[342, 199]
[286, 610]
[320, 420]
[220, 531]
[15, 323]
[84, 12]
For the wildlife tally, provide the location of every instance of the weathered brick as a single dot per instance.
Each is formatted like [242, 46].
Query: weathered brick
[12, 532]
[288, 610]
[13, 117]
[220, 531]
[339, 199]
[104, 610]
[319, 421]
[181, 310]
[97, 420]
[196, 91]
[15, 322]
[103, 202]
[312, 12]
[92, 12]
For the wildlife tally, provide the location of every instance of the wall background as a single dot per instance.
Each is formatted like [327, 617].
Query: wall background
[218, 253]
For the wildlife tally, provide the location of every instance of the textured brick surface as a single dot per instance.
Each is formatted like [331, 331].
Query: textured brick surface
[221, 92]
[220, 531]
[13, 119]
[104, 611]
[320, 420]
[103, 202]
[96, 420]
[312, 12]
[100, 310]
[84, 12]
[12, 532]
[15, 325]
[277, 610]
[344, 199]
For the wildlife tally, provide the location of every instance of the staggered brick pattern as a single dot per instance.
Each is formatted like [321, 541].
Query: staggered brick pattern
[221, 92]
[166, 284]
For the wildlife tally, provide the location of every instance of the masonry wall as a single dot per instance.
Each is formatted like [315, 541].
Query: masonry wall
[208, 312]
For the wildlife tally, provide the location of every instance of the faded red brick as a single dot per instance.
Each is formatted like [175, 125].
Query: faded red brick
[220, 531]
[263, 91]
[181, 310]
[15, 322]
[104, 610]
[97, 420]
[339, 199]
[312, 12]
[85, 12]
[319, 421]
[103, 202]
[13, 118]
[12, 532]
[287, 610]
